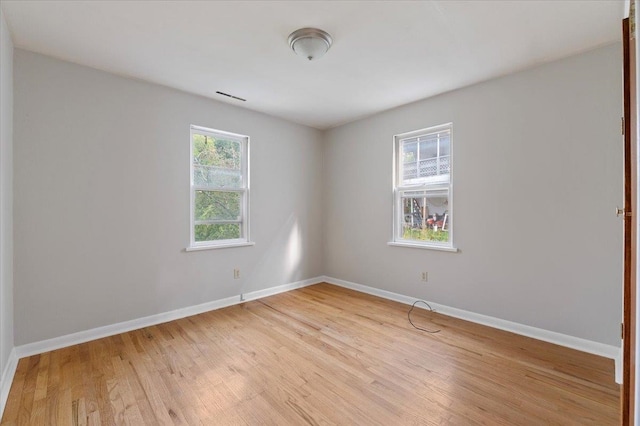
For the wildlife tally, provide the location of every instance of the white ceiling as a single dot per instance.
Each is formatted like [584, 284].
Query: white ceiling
[385, 53]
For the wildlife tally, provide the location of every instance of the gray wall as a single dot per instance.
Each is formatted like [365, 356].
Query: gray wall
[102, 200]
[6, 193]
[102, 193]
[537, 175]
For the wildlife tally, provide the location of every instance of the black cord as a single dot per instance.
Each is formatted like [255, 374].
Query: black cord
[411, 322]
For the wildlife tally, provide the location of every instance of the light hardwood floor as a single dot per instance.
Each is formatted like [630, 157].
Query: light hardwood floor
[318, 355]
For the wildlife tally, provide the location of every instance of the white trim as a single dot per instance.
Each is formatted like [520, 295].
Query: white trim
[7, 379]
[427, 131]
[398, 213]
[423, 246]
[122, 327]
[601, 349]
[35, 348]
[625, 8]
[220, 246]
[237, 137]
[618, 364]
[244, 142]
[259, 294]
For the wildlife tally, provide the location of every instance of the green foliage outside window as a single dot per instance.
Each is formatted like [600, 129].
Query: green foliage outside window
[426, 234]
[226, 231]
[217, 165]
[209, 151]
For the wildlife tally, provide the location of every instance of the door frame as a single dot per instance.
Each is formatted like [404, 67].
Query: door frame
[628, 394]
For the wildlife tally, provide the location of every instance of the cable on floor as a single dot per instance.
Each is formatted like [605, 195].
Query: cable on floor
[415, 326]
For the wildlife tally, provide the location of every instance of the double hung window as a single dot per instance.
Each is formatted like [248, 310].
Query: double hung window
[423, 189]
[219, 188]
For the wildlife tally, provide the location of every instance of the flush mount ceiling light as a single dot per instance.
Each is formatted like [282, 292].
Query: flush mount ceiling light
[310, 43]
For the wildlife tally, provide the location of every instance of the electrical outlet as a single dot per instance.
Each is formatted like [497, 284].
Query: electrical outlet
[424, 277]
[236, 274]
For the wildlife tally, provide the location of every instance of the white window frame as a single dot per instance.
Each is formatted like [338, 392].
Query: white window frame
[244, 166]
[398, 191]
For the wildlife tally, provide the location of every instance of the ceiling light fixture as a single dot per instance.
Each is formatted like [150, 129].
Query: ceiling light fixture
[310, 43]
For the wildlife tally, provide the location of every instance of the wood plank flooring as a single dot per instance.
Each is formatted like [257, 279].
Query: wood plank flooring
[318, 355]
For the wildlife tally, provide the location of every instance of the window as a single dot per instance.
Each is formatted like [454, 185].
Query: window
[219, 189]
[423, 188]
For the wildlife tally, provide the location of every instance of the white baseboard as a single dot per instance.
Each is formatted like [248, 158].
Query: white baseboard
[618, 364]
[584, 345]
[122, 327]
[7, 379]
[259, 294]
[29, 349]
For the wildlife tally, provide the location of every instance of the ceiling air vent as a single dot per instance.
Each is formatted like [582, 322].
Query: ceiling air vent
[231, 96]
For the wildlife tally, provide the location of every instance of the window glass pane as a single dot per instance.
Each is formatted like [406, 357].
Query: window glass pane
[422, 162]
[428, 164]
[409, 151]
[217, 205]
[216, 162]
[428, 148]
[216, 177]
[444, 161]
[217, 232]
[425, 215]
[409, 156]
[445, 145]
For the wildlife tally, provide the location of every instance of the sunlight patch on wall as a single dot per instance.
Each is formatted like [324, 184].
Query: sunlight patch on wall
[294, 252]
[281, 261]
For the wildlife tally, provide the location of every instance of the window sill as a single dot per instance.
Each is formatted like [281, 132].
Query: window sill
[220, 246]
[423, 246]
